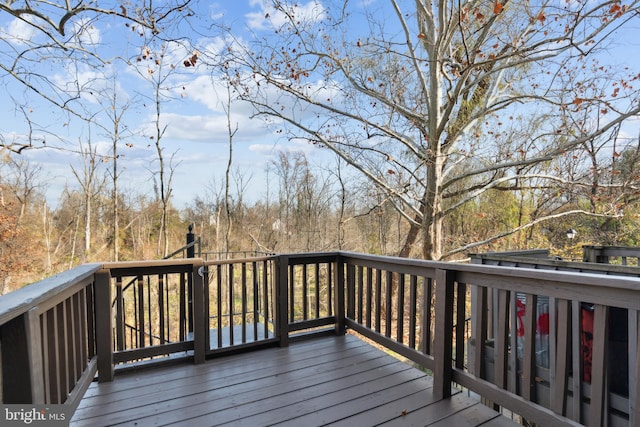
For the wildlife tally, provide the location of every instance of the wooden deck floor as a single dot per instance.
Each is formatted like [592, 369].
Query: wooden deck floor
[329, 380]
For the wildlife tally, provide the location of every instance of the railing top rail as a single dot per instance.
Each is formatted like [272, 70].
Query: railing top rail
[116, 265]
[558, 263]
[616, 291]
[238, 260]
[183, 249]
[22, 300]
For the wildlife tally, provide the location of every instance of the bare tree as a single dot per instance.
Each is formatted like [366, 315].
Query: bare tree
[91, 186]
[423, 97]
[46, 36]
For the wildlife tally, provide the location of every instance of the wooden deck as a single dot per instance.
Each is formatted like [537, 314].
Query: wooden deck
[329, 380]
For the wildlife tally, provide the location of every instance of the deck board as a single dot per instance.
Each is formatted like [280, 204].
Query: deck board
[329, 380]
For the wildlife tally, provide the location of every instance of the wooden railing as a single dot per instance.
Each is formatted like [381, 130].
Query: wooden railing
[620, 255]
[164, 311]
[48, 339]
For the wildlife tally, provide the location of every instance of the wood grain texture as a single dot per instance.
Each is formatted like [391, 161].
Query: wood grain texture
[330, 380]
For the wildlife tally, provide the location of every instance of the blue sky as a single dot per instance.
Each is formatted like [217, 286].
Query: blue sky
[196, 125]
[196, 135]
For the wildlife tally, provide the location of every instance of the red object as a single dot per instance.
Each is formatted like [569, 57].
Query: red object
[587, 342]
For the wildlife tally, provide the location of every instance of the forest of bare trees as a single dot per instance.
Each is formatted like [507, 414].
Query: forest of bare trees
[445, 128]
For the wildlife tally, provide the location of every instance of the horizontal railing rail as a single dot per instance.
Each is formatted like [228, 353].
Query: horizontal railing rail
[525, 351]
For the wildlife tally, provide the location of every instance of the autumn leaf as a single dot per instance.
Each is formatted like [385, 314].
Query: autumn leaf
[615, 8]
[497, 7]
[578, 101]
[541, 17]
[421, 36]
[391, 172]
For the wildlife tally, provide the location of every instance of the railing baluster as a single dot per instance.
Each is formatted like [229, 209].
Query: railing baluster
[340, 297]
[400, 309]
[378, 300]
[599, 395]
[265, 295]
[317, 289]
[120, 313]
[529, 362]
[183, 308]
[331, 283]
[70, 332]
[413, 309]
[369, 295]
[479, 332]
[359, 292]
[161, 313]
[244, 301]
[140, 324]
[82, 321]
[256, 298]
[351, 289]
[502, 339]
[513, 354]
[577, 363]
[170, 313]
[219, 303]
[34, 341]
[559, 380]
[427, 296]
[388, 303]
[61, 348]
[461, 316]
[292, 294]
[305, 295]
[232, 307]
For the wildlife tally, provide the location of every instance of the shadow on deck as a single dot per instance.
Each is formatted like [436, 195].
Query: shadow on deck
[327, 380]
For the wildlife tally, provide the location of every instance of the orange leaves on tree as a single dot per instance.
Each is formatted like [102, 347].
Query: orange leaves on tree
[421, 36]
[497, 7]
[616, 10]
[578, 101]
[541, 17]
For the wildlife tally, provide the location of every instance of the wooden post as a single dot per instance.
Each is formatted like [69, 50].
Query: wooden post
[200, 320]
[104, 332]
[442, 372]
[339, 296]
[190, 290]
[282, 297]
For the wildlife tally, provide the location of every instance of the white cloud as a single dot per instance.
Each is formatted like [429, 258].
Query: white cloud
[86, 33]
[18, 32]
[268, 17]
